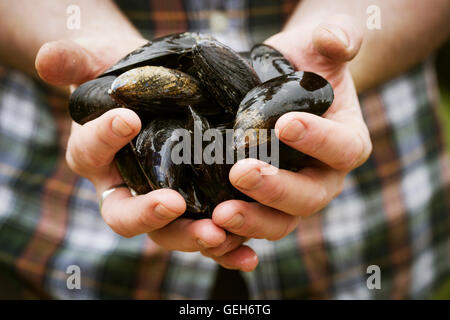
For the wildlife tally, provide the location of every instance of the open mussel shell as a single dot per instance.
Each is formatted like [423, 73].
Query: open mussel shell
[224, 73]
[265, 104]
[154, 149]
[269, 63]
[171, 51]
[159, 89]
[91, 99]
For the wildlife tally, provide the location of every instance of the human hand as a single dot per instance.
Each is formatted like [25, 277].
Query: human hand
[92, 147]
[339, 140]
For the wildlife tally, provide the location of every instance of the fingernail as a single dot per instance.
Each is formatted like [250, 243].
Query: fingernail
[293, 131]
[202, 243]
[163, 213]
[120, 127]
[340, 34]
[250, 181]
[235, 222]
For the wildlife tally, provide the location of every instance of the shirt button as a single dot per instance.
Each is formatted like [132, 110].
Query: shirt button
[218, 21]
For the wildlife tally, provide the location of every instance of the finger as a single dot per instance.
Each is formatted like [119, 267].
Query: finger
[253, 220]
[189, 235]
[231, 242]
[339, 38]
[324, 49]
[66, 62]
[130, 216]
[243, 258]
[94, 144]
[343, 146]
[297, 193]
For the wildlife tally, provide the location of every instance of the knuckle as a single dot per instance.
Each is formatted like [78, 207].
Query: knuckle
[83, 155]
[158, 239]
[368, 148]
[145, 220]
[250, 231]
[91, 160]
[71, 154]
[353, 154]
[116, 225]
[220, 250]
[289, 226]
[279, 235]
[318, 141]
[275, 196]
[104, 138]
[348, 158]
[73, 165]
[316, 202]
[364, 149]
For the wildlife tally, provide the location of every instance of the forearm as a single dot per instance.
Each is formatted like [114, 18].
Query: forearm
[410, 31]
[26, 25]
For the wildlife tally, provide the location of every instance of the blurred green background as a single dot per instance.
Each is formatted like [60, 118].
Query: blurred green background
[443, 72]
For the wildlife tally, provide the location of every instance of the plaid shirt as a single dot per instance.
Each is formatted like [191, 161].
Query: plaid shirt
[393, 211]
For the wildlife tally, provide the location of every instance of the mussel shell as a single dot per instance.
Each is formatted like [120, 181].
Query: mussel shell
[224, 73]
[91, 99]
[195, 203]
[269, 63]
[131, 171]
[171, 51]
[159, 89]
[262, 106]
[246, 55]
[211, 178]
[284, 158]
[154, 146]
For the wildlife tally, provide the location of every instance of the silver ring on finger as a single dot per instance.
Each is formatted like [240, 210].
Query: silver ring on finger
[109, 191]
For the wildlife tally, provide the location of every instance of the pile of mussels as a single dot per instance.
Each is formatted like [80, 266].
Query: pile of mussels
[191, 81]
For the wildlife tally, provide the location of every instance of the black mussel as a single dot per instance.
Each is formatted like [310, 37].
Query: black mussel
[209, 160]
[225, 120]
[263, 105]
[131, 171]
[278, 154]
[230, 158]
[224, 73]
[269, 63]
[171, 51]
[271, 151]
[155, 152]
[195, 203]
[91, 99]
[159, 89]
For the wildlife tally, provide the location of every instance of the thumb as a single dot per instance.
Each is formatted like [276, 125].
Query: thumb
[339, 39]
[66, 62]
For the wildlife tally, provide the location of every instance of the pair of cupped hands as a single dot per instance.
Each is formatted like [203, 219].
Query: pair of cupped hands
[339, 141]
